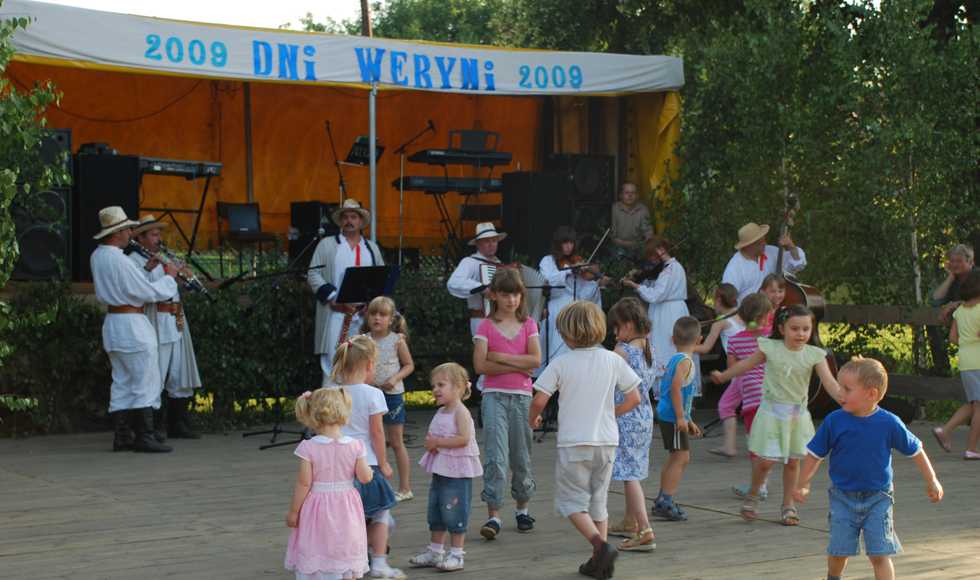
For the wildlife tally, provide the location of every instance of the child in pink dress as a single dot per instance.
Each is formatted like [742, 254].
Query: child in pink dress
[453, 459]
[328, 541]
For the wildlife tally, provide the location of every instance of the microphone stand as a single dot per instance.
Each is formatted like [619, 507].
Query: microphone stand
[401, 183]
[548, 424]
[338, 162]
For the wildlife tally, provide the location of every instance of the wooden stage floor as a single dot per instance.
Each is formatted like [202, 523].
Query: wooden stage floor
[215, 509]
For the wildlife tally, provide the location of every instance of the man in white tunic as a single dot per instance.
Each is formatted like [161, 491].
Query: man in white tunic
[127, 334]
[348, 249]
[755, 260]
[178, 366]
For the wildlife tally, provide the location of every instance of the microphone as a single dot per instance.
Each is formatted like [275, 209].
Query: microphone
[232, 281]
[320, 232]
[432, 126]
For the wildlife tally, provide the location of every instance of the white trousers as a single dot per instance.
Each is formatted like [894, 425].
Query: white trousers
[135, 380]
[333, 336]
[170, 367]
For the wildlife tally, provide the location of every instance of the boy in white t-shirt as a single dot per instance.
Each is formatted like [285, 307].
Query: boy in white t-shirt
[587, 378]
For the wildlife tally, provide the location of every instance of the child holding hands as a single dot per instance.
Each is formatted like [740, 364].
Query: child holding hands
[328, 538]
[586, 379]
[674, 414]
[859, 438]
[453, 459]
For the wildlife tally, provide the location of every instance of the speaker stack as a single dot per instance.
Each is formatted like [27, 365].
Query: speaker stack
[576, 190]
[307, 217]
[101, 179]
[42, 228]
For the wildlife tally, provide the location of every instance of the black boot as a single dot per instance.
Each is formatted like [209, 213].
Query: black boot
[143, 427]
[177, 419]
[123, 440]
[158, 420]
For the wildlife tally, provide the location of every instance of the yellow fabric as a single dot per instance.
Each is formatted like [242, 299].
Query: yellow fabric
[655, 129]
[291, 153]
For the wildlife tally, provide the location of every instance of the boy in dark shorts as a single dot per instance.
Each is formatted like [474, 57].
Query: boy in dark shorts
[859, 439]
[674, 415]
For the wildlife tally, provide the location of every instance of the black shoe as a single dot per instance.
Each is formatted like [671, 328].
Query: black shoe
[525, 524]
[490, 530]
[123, 439]
[158, 437]
[145, 440]
[605, 556]
[177, 419]
[588, 569]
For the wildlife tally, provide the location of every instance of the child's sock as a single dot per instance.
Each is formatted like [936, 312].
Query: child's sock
[379, 561]
[518, 512]
[664, 499]
[456, 551]
[496, 519]
[829, 577]
[436, 548]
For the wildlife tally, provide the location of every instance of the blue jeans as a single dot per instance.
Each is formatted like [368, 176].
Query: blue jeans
[449, 503]
[507, 439]
[852, 512]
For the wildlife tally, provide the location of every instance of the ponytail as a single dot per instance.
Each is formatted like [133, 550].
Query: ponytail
[631, 310]
[351, 355]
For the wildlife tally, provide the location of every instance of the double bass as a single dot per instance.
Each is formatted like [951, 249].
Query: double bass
[810, 297]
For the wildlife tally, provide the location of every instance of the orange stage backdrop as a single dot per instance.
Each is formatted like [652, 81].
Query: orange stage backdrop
[291, 154]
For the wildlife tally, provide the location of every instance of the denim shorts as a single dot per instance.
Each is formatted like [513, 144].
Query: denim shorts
[449, 503]
[852, 512]
[396, 410]
[376, 495]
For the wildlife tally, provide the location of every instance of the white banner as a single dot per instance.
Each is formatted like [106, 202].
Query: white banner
[110, 41]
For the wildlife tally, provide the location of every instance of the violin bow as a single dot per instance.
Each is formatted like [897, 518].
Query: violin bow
[599, 245]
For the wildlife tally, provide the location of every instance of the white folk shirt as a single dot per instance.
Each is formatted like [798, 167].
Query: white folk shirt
[746, 276]
[120, 282]
[586, 380]
[166, 322]
[466, 277]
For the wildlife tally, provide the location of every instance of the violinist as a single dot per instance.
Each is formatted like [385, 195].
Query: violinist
[562, 268]
[665, 293]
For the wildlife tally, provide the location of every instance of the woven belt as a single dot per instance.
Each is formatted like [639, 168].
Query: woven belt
[125, 310]
[348, 310]
[481, 313]
[176, 309]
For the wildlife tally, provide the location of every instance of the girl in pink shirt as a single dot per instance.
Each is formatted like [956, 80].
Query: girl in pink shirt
[506, 351]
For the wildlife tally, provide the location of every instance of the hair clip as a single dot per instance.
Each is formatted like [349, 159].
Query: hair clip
[647, 336]
[348, 343]
[306, 394]
[397, 314]
[468, 385]
[752, 324]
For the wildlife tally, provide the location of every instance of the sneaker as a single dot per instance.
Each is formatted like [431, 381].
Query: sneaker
[452, 563]
[670, 512]
[525, 524]
[490, 530]
[743, 492]
[387, 572]
[605, 556]
[429, 558]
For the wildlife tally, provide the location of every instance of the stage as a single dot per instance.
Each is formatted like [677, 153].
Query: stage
[216, 508]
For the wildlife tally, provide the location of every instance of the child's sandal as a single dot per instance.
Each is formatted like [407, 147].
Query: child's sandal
[623, 530]
[750, 513]
[635, 540]
[789, 515]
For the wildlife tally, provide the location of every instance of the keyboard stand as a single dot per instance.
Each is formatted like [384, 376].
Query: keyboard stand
[454, 230]
[197, 222]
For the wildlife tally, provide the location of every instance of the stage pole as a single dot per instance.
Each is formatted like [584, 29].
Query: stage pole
[372, 130]
[248, 140]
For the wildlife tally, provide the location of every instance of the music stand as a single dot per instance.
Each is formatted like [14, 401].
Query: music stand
[362, 284]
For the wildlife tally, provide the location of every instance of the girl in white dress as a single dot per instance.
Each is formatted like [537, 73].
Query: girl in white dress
[665, 294]
[575, 288]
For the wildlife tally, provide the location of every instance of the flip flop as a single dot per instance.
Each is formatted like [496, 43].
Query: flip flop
[720, 453]
[943, 441]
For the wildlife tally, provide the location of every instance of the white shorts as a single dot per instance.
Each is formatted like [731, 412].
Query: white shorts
[582, 476]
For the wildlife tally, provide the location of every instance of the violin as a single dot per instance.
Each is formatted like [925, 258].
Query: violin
[649, 271]
[575, 262]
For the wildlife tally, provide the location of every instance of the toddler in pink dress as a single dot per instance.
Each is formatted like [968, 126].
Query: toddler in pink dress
[453, 459]
[328, 541]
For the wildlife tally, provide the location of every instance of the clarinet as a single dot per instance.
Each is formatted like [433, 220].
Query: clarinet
[165, 258]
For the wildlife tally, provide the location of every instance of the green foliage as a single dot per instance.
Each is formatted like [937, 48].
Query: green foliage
[21, 128]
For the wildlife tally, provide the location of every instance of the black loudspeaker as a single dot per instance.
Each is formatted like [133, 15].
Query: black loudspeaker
[590, 219]
[100, 181]
[43, 235]
[534, 204]
[306, 218]
[593, 177]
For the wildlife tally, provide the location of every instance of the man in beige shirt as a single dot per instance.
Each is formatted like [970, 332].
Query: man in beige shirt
[628, 217]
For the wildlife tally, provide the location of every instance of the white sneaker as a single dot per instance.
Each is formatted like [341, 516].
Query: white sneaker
[387, 572]
[451, 563]
[429, 558]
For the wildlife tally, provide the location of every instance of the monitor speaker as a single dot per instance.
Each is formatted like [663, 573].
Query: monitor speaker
[534, 204]
[306, 218]
[99, 181]
[593, 176]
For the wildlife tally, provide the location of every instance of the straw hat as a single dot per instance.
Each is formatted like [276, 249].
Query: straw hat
[486, 230]
[113, 218]
[147, 223]
[750, 233]
[351, 205]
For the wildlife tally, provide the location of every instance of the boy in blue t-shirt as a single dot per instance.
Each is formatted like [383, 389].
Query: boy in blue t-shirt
[674, 415]
[859, 439]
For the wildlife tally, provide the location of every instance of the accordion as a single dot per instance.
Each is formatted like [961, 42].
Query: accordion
[533, 280]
